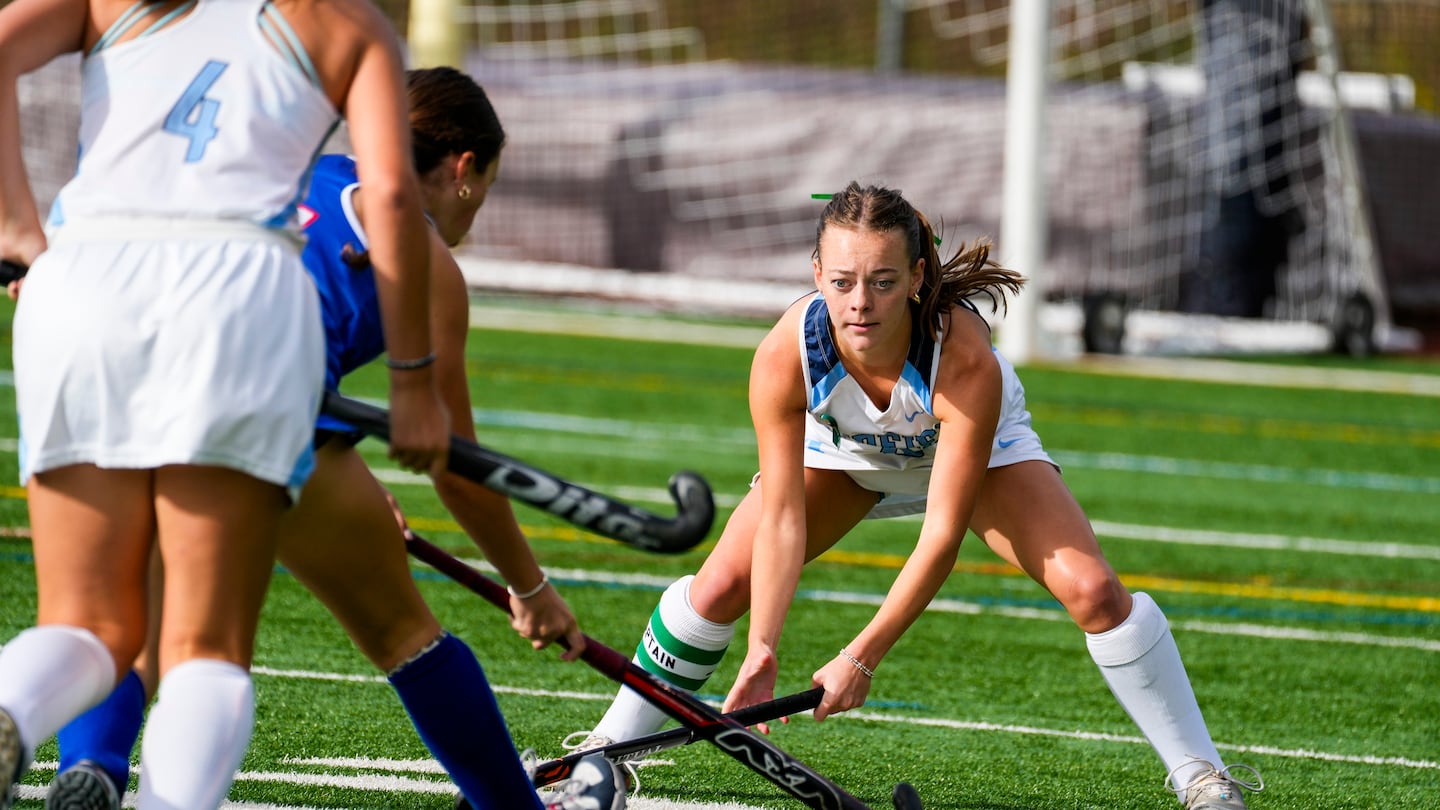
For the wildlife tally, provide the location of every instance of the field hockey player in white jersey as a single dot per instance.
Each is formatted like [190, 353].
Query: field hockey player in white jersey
[342, 541]
[883, 396]
[169, 354]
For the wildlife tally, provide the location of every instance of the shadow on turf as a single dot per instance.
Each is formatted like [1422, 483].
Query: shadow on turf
[757, 797]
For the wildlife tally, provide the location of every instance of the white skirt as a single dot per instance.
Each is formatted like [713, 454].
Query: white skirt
[205, 349]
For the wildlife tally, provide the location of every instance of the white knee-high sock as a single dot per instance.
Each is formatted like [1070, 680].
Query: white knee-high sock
[680, 646]
[49, 675]
[1142, 665]
[196, 736]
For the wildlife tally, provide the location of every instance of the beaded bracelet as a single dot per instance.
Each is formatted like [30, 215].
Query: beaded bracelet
[544, 580]
[410, 365]
[868, 672]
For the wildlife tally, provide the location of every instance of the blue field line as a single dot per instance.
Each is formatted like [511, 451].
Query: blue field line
[624, 432]
[611, 438]
[1017, 607]
[1262, 473]
[619, 438]
[1036, 608]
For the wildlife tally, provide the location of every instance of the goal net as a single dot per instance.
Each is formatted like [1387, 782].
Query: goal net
[1199, 158]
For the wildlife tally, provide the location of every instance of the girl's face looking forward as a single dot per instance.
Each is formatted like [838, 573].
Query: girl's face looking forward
[867, 281]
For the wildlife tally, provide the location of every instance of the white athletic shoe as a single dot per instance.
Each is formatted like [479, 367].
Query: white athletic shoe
[82, 786]
[595, 784]
[1215, 789]
[12, 754]
[590, 741]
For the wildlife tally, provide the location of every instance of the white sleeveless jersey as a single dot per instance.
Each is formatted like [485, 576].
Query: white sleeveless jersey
[203, 119]
[892, 451]
[845, 431]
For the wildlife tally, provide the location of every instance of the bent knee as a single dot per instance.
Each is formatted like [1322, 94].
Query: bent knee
[720, 597]
[1097, 601]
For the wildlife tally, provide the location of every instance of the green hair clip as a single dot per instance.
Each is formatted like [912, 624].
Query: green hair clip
[834, 427]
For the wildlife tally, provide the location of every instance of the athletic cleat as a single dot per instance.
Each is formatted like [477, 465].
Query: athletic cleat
[590, 741]
[1215, 790]
[12, 758]
[595, 784]
[83, 786]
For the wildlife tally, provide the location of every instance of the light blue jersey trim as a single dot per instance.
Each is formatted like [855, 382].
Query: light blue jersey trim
[275, 26]
[163, 21]
[916, 378]
[126, 21]
[821, 390]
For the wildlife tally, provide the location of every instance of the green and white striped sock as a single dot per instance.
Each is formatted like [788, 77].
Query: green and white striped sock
[679, 646]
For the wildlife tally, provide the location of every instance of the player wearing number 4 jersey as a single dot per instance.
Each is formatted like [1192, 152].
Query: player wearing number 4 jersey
[342, 541]
[881, 396]
[169, 352]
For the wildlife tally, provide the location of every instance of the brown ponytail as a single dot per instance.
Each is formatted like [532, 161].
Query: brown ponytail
[969, 272]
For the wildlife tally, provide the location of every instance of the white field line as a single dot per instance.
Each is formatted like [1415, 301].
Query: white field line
[955, 606]
[392, 775]
[1385, 549]
[386, 775]
[965, 607]
[1271, 375]
[579, 435]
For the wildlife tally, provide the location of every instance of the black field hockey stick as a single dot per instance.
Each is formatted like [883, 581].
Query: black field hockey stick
[590, 510]
[724, 732]
[11, 271]
[555, 770]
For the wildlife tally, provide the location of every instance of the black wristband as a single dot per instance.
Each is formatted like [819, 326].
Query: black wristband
[410, 365]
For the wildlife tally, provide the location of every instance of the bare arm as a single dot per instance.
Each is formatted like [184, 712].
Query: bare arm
[967, 403]
[359, 59]
[777, 408]
[32, 32]
[486, 515]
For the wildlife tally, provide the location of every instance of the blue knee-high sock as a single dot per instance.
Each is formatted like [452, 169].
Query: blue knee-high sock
[107, 732]
[449, 701]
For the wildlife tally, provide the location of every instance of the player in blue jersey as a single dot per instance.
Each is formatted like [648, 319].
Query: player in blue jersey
[880, 396]
[168, 349]
[342, 541]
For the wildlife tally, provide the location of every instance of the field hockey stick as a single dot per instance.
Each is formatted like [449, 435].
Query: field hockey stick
[724, 732]
[548, 773]
[11, 271]
[590, 510]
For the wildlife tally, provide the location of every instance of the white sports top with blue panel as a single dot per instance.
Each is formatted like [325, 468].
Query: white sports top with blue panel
[845, 430]
[201, 119]
[892, 451]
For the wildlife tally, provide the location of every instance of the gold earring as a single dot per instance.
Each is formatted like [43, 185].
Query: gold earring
[915, 296]
[464, 192]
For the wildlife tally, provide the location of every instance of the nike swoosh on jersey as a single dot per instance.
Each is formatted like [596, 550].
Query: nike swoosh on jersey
[1004, 444]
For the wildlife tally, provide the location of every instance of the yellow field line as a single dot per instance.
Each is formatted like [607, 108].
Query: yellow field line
[1250, 590]
[1256, 589]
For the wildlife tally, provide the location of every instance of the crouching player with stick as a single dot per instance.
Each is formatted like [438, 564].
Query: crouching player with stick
[342, 541]
[883, 396]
